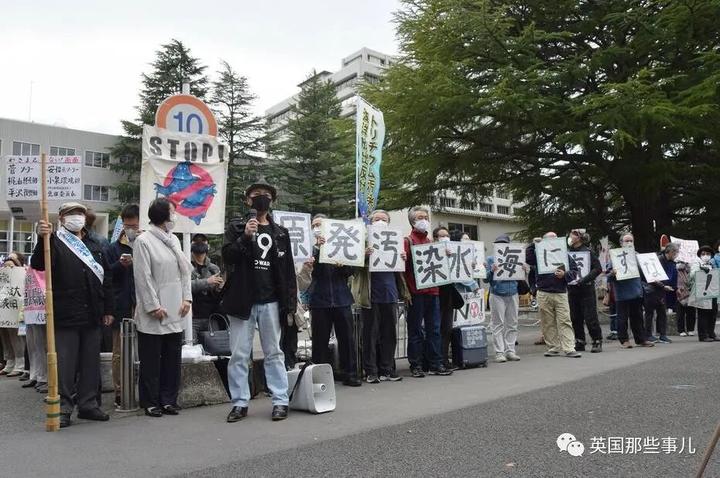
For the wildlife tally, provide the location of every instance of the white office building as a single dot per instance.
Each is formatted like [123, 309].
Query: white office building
[23, 138]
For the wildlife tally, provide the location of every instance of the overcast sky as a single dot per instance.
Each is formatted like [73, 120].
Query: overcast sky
[84, 58]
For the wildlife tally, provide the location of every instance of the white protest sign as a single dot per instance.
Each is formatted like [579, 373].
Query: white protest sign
[551, 255]
[430, 265]
[479, 271]
[34, 298]
[386, 244]
[582, 260]
[473, 312]
[707, 284]
[604, 256]
[461, 256]
[298, 226]
[688, 250]
[191, 171]
[651, 267]
[509, 259]
[344, 242]
[624, 261]
[12, 286]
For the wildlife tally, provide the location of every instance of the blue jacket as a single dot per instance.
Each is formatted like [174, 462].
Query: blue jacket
[330, 285]
[503, 288]
[716, 261]
[123, 282]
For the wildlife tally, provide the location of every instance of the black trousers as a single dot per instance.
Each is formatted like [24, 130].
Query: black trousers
[322, 322]
[705, 324]
[379, 337]
[630, 311]
[583, 313]
[685, 317]
[446, 326]
[78, 356]
[655, 308]
[160, 358]
[289, 344]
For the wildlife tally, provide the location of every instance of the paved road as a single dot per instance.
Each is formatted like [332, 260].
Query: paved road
[499, 421]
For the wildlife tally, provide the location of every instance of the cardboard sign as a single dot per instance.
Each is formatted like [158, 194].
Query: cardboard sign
[344, 242]
[582, 260]
[688, 250]
[387, 245]
[651, 267]
[430, 265]
[12, 286]
[509, 259]
[34, 300]
[479, 271]
[707, 284]
[624, 261]
[299, 230]
[551, 255]
[461, 256]
[473, 312]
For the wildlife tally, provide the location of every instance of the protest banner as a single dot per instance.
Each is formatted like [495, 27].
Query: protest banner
[582, 260]
[300, 232]
[651, 267]
[191, 171]
[34, 298]
[688, 250]
[479, 271]
[509, 259]
[624, 261]
[473, 312]
[344, 242]
[707, 284]
[551, 255]
[12, 286]
[387, 245]
[369, 138]
[430, 265]
[460, 256]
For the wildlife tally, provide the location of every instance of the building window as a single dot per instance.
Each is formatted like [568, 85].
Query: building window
[505, 210]
[4, 224]
[347, 82]
[58, 151]
[499, 193]
[94, 159]
[22, 237]
[25, 149]
[96, 193]
[486, 207]
[469, 229]
[447, 202]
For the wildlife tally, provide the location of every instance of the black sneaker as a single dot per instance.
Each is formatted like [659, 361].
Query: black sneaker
[29, 384]
[94, 414]
[612, 336]
[65, 420]
[352, 382]
[372, 379]
[155, 412]
[170, 410]
[417, 373]
[596, 347]
[237, 414]
[392, 377]
[280, 412]
[440, 371]
[579, 346]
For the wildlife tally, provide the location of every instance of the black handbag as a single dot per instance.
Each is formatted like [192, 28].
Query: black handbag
[523, 287]
[216, 341]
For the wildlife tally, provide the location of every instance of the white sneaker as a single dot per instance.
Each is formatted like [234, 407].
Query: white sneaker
[691, 334]
[500, 358]
[683, 334]
[512, 356]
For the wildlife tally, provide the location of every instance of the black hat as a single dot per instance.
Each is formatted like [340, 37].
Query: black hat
[261, 184]
[707, 249]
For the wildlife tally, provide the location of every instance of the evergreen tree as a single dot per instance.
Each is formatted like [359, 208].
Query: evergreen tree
[241, 130]
[313, 158]
[173, 66]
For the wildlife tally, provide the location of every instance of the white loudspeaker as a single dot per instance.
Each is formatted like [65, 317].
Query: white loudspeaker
[316, 391]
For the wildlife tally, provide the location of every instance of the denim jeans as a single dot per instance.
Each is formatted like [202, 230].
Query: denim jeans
[423, 324]
[242, 332]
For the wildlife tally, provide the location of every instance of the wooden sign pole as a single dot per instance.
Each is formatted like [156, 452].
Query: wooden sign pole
[52, 401]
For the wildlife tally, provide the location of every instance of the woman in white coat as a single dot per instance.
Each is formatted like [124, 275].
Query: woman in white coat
[164, 298]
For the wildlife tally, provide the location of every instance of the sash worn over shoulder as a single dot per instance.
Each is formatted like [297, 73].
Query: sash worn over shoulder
[79, 248]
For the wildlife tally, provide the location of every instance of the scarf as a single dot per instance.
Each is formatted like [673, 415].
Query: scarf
[79, 248]
[168, 240]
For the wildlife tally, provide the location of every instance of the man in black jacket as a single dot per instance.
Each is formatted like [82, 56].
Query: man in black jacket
[581, 293]
[262, 290]
[83, 300]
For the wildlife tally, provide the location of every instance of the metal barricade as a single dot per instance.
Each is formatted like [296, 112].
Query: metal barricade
[128, 354]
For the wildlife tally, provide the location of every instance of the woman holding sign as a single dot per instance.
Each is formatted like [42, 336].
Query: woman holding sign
[13, 344]
[699, 281]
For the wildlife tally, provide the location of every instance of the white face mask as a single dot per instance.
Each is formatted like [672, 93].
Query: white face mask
[380, 223]
[443, 239]
[74, 223]
[317, 231]
[628, 244]
[705, 258]
[131, 234]
[569, 241]
[423, 225]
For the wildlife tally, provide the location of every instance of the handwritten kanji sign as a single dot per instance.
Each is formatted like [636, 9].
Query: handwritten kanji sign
[34, 298]
[688, 250]
[479, 271]
[298, 226]
[461, 256]
[551, 255]
[12, 286]
[430, 265]
[624, 261]
[344, 242]
[582, 259]
[651, 267]
[707, 284]
[509, 259]
[472, 313]
[386, 244]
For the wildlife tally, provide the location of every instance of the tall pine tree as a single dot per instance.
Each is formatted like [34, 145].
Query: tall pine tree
[241, 130]
[173, 66]
[313, 162]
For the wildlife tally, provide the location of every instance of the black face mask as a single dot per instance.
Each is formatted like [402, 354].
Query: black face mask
[199, 248]
[261, 203]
